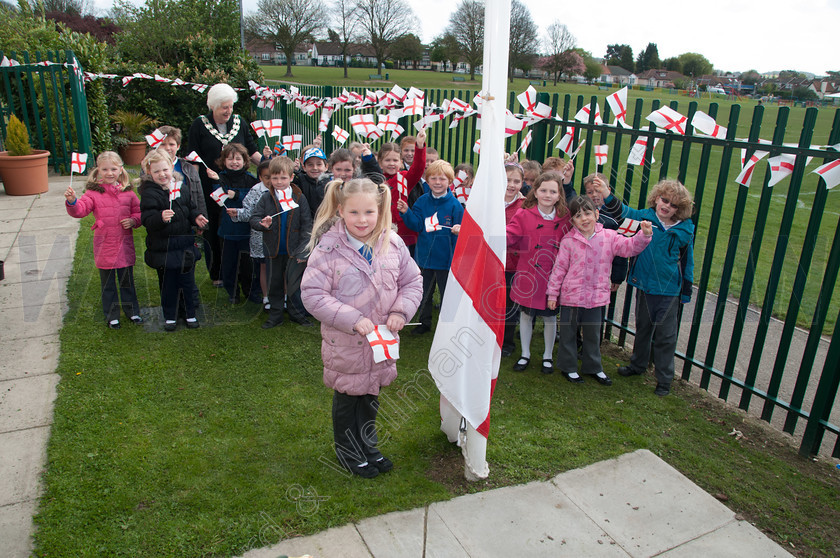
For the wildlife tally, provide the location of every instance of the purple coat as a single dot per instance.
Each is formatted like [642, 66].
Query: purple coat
[113, 246]
[536, 240]
[339, 288]
[581, 272]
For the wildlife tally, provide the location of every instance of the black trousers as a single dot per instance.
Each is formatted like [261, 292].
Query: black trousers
[177, 285]
[294, 274]
[182, 307]
[430, 278]
[657, 319]
[588, 321]
[118, 292]
[354, 428]
[275, 269]
[511, 316]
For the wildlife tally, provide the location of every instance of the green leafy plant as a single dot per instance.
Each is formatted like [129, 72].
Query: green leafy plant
[130, 126]
[17, 138]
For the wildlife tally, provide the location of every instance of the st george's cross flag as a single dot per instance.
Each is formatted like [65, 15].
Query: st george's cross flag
[293, 142]
[459, 179]
[637, 152]
[780, 167]
[340, 135]
[432, 223]
[384, 343]
[174, 192]
[78, 162]
[326, 114]
[365, 126]
[219, 196]
[628, 227]
[565, 143]
[583, 115]
[707, 125]
[601, 154]
[274, 127]
[284, 198]
[526, 141]
[402, 186]
[618, 104]
[155, 138]
[830, 173]
[669, 120]
[528, 99]
[745, 176]
[193, 157]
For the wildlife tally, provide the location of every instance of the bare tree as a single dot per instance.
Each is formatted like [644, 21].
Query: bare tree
[384, 21]
[466, 24]
[523, 38]
[559, 41]
[344, 21]
[289, 23]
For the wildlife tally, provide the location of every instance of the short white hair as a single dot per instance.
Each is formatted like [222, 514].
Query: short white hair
[219, 94]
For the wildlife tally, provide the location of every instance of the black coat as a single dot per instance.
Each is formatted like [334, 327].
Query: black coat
[166, 243]
[298, 224]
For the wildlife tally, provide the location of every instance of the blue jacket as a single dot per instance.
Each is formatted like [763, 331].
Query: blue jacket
[666, 267]
[435, 249]
[240, 182]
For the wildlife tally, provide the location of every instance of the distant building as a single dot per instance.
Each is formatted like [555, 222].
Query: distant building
[617, 75]
[659, 78]
[823, 87]
[329, 54]
[266, 52]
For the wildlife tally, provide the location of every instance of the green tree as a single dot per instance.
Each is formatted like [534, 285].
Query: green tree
[407, 48]
[559, 43]
[672, 64]
[288, 23]
[344, 19]
[382, 22]
[445, 49]
[522, 51]
[648, 59]
[151, 31]
[804, 93]
[466, 25]
[620, 55]
[750, 77]
[695, 65]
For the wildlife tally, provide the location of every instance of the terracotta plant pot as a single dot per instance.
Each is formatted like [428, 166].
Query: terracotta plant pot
[25, 175]
[133, 153]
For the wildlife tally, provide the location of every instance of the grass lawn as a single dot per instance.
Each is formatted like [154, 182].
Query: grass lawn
[712, 260]
[211, 442]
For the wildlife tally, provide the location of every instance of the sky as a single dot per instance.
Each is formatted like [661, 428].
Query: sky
[734, 35]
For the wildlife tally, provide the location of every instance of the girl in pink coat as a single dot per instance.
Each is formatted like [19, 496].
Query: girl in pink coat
[581, 276]
[360, 275]
[111, 199]
[533, 236]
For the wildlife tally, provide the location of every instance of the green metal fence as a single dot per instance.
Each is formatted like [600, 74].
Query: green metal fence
[767, 259]
[50, 100]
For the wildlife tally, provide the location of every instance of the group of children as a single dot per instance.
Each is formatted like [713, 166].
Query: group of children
[315, 236]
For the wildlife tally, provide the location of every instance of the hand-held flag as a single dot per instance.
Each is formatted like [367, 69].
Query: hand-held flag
[340, 135]
[402, 186]
[155, 138]
[384, 344]
[194, 158]
[78, 162]
[293, 142]
[284, 197]
[601, 154]
[432, 223]
[219, 196]
[637, 152]
[628, 227]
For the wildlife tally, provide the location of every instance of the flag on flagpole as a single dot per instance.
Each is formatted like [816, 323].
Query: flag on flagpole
[384, 343]
[780, 167]
[78, 162]
[219, 196]
[830, 173]
[601, 154]
[155, 138]
[466, 351]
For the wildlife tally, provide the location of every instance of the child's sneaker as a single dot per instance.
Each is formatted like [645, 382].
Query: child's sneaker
[365, 470]
[383, 464]
[662, 389]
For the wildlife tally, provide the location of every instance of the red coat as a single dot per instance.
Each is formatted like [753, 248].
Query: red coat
[512, 255]
[113, 246]
[412, 177]
[536, 240]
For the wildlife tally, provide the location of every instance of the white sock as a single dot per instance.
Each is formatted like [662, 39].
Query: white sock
[134, 317]
[265, 300]
[191, 320]
[114, 322]
[573, 375]
[601, 374]
[526, 329]
[549, 333]
[170, 321]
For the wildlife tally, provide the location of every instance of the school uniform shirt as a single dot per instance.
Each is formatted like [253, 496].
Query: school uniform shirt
[435, 249]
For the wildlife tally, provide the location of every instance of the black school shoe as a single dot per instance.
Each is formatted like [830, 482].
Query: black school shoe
[628, 371]
[366, 471]
[547, 366]
[269, 323]
[383, 464]
[662, 389]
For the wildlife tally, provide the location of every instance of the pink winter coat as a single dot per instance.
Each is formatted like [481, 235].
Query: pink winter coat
[581, 272]
[340, 288]
[113, 246]
[535, 241]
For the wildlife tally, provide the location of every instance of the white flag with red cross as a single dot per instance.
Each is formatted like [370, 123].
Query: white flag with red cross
[628, 227]
[397, 132]
[618, 105]
[174, 192]
[745, 176]
[565, 143]
[219, 196]
[384, 344]
[462, 193]
[415, 93]
[528, 98]
[273, 127]
[365, 126]
[155, 138]
[780, 167]
[830, 173]
[583, 115]
[432, 223]
[601, 154]
[427, 121]
[413, 106]
[707, 125]
[540, 112]
[526, 141]
[78, 162]
[259, 128]
[402, 186]
[293, 142]
[513, 125]
[340, 135]
[193, 157]
[323, 123]
[397, 94]
[284, 198]
[669, 120]
[200, 87]
[456, 104]
[387, 122]
[637, 152]
[459, 179]
[477, 146]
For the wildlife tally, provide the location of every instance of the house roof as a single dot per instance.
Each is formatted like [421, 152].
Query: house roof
[334, 49]
[618, 71]
[667, 75]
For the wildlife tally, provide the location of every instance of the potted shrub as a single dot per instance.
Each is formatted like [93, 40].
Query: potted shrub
[130, 129]
[24, 170]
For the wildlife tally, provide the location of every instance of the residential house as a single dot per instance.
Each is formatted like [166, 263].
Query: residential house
[616, 75]
[658, 78]
[267, 52]
[329, 54]
[823, 87]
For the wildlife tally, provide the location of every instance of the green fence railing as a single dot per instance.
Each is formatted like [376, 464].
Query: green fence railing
[46, 91]
[763, 322]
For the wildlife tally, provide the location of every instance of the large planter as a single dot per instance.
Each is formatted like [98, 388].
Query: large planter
[25, 175]
[133, 153]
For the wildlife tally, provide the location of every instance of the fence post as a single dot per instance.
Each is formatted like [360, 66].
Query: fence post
[824, 399]
[327, 139]
[80, 108]
[537, 148]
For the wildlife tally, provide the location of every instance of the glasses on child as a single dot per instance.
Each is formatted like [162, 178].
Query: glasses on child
[666, 201]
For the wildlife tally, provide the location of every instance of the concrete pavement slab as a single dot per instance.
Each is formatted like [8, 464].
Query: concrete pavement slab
[534, 519]
[35, 223]
[339, 541]
[39, 353]
[17, 202]
[18, 295]
[398, 534]
[11, 225]
[646, 505]
[45, 239]
[734, 540]
[440, 542]
[24, 452]
[34, 321]
[27, 402]
[15, 525]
